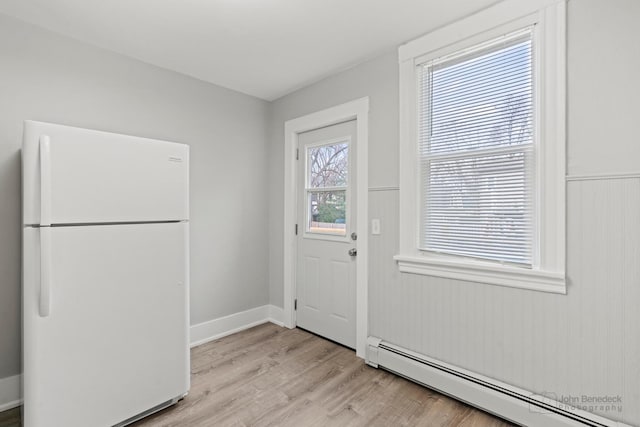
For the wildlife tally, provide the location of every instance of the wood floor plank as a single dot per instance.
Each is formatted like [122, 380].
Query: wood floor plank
[298, 379]
[10, 418]
[271, 376]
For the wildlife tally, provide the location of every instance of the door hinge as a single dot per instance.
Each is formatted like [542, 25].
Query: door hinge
[296, 229]
[297, 154]
[295, 304]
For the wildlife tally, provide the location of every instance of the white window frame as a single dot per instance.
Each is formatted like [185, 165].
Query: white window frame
[549, 43]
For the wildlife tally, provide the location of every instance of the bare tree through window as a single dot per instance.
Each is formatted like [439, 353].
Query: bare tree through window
[327, 168]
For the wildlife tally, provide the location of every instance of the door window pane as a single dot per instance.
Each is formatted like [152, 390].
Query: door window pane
[326, 188]
[328, 165]
[327, 212]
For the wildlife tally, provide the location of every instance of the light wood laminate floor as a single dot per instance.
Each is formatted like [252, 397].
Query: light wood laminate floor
[273, 376]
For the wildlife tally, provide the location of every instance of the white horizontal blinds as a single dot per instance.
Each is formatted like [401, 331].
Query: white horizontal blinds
[476, 150]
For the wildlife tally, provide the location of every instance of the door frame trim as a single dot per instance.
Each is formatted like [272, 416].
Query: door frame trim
[358, 110]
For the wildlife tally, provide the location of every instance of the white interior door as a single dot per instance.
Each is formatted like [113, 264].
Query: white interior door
[326, 266]
[115, 340]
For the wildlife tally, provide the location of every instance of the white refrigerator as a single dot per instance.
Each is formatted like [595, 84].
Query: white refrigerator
[105, 276]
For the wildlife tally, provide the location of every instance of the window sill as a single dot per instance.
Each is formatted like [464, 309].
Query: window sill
[480, 272]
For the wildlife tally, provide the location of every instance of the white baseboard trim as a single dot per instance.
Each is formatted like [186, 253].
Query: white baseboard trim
[514, 404]
[221, 327]
[276, 315]
[10, 392]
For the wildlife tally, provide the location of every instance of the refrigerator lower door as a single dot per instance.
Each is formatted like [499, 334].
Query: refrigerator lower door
[114, 340]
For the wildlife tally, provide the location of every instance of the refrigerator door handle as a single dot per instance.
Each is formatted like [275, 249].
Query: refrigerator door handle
[45, 180]
[45, 271]
[45, 223]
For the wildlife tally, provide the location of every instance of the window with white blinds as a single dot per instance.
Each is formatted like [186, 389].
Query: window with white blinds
[483, 148]
[476, 145]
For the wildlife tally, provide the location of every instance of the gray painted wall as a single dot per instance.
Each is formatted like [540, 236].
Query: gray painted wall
[48, 77]
[586, 342]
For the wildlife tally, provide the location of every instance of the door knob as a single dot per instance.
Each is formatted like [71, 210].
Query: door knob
[353, 252]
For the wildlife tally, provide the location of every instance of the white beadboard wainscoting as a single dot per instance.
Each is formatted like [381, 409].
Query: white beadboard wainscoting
[585, 343]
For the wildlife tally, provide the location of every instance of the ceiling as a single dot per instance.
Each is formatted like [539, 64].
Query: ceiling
[264, 48]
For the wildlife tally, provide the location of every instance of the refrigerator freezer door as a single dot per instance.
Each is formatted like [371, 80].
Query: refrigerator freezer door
[84, 176]
[115, 341]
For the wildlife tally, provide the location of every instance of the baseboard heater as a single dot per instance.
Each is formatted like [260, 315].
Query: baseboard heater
[508, 402]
